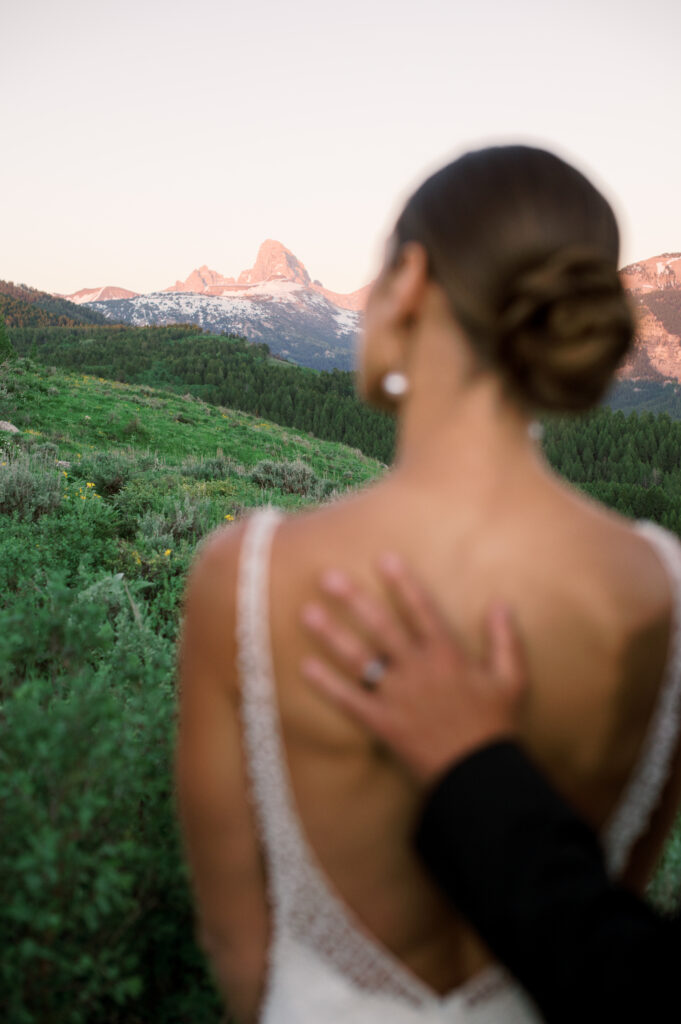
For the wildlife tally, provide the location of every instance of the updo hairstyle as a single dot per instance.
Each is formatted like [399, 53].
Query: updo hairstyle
[526, 250]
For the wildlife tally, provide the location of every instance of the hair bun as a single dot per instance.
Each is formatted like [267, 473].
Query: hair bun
[563, 325]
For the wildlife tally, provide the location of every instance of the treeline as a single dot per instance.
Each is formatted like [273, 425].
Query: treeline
[631, 463]
[21, 306]
[223, 371]
[647, 396]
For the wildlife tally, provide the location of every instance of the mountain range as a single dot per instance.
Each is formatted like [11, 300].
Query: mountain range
[276, 301]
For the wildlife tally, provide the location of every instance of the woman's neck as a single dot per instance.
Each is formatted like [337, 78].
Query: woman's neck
[458, 428]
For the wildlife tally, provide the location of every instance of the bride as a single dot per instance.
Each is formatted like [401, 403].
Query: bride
[499, 297]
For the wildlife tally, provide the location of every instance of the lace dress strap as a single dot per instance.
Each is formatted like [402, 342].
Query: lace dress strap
[258, 710]
[305, 906]
[643, 791]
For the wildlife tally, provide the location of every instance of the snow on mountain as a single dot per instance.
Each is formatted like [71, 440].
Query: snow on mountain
[296, 323]
[275, 301]
[87, 295]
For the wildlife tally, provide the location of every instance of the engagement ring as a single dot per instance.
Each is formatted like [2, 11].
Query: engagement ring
[372, 674]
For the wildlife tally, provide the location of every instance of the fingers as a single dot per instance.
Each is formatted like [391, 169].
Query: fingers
[416, 606]
[343, 644]
[507, 657]
[350, 698]
[371, 617]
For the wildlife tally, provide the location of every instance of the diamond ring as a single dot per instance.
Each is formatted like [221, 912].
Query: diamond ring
[372, 674]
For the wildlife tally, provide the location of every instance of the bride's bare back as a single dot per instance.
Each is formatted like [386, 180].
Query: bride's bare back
[593, 603]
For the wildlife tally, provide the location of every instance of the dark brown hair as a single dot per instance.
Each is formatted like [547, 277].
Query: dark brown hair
[526, 250]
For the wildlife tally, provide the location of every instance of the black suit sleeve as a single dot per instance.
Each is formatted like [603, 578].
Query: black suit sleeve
[529, 876]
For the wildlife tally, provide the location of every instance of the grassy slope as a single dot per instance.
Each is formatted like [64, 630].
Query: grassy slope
[81, 413]
[93, 559]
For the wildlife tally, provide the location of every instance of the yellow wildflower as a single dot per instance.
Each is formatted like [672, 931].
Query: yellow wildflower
[166, 552]
[230, 518]
[89, 485]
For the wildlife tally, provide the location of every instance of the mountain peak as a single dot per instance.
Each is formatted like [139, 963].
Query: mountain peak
[657, 273]
[275, 262]
[201, 280]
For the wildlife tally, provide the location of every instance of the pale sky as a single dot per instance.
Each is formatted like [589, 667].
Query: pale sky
[143, 139]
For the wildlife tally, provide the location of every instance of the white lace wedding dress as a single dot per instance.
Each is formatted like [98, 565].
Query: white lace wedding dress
[324, 968]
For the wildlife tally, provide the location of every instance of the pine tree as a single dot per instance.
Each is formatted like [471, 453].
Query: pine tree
[6, 346]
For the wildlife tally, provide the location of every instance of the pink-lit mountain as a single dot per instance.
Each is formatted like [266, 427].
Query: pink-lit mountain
[654, 287]
[274, 262]
[87, 295]
[276, 301]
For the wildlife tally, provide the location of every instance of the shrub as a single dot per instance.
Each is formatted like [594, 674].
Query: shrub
[96, 921]
[289, 477]
[29, 486]
[6, 347]
[188, 518]
[216, 468]
[665, 887]
[134, 426]
[109, 471]
[46, 450]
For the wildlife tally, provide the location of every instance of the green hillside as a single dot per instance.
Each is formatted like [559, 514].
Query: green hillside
[104, 494]
[221, 370]
[632, 462]
[105, 491]
[21, 306]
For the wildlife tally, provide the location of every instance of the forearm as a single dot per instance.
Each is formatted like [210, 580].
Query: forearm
[529, 875]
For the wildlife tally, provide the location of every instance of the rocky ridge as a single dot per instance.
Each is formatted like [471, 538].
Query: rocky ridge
[654, 287]
[277, 301]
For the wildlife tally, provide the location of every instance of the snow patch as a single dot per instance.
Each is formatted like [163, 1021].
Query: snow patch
[347, 320]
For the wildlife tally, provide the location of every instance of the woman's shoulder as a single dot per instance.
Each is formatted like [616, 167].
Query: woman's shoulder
[629, 563]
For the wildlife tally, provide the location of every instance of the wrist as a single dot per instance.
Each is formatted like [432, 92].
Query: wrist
[433, 764]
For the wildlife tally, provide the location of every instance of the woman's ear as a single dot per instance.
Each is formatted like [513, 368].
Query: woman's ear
[408, 279]
[393, 306]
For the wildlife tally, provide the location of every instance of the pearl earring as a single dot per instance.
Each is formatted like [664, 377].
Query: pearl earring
[394, 384]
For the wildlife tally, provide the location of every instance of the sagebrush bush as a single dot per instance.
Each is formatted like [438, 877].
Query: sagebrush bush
[188, 518]
[289, 477]
[109, 471]
[216, 468]
[30, 485]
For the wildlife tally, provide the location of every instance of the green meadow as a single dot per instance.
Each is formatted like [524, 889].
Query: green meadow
[105, 492]
[106, 489]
